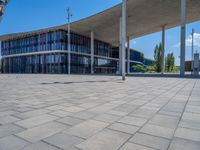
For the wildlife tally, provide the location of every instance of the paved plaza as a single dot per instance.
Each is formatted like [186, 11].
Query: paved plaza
[61, 112]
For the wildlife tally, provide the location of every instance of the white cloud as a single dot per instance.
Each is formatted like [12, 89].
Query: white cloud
[189, 41]
[196, 40]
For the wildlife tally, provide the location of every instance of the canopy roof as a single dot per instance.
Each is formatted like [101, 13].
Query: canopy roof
[143, 17]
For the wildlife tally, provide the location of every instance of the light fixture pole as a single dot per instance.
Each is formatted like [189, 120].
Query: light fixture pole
[69, 39]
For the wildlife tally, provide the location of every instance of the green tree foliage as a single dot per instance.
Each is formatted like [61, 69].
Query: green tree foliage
[150, 69]
[139, 68]
[169, 62]
[158, 57]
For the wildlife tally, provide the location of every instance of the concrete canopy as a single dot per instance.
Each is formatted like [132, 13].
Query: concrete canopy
[143, 17]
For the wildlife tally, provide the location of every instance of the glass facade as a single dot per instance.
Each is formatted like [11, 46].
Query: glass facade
[149, 62]
[47, 53]
[136, 56]
[46, 63]
[105, 65]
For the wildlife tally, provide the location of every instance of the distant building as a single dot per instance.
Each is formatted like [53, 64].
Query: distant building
[188, 66]
[149, 62]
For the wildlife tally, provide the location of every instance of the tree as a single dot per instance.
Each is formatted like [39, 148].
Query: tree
[158, 57]
[139, 68]
[169, 62]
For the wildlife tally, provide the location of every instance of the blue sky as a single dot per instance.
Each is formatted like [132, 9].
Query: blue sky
[26, 15]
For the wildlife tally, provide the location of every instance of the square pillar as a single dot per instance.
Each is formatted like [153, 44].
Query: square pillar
[163, 51]
[92, 52]
[183, 35]
[123, 39]
[128, 55]
[192, 51]
[69, 50]
[69, 40]
[120, 46]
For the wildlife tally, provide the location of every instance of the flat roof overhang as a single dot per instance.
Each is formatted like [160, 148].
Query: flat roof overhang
[143, 17]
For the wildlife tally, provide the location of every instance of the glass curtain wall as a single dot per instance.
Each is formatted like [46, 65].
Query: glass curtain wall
[54, 40]
[55, 62]
[46, 63]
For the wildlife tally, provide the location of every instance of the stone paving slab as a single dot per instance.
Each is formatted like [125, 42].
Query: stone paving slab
[40, 132]
[189, 134]
[63, 141]
[9, 129]
[12, 143]
[70, 121]
[84, 115]
[61, 112]
[143, 113]
[181, 144]
[87, 128]
[133, 121]
[132, 146]
[30, 114]
[40, 146]
[106, 139]
[8, 119]
[158, 131]
[124, 128]
[107, 118]
[35, 121]
[150, 141]
[165, 121]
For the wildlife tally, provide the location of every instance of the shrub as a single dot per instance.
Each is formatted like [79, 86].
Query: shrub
[139, 68]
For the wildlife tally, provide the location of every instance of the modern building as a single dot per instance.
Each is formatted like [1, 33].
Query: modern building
[188, 66]
[47, 52]
[3, 4]
[98, 42]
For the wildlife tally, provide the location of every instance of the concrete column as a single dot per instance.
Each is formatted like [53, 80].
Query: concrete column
[120, 46]
[183, 35]
[69, 40]
[69, 50]
[2, 66]
[192, 55]
[92, 52]
[123, 38]
[163, 50]
[128, 55]
[10, 67]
